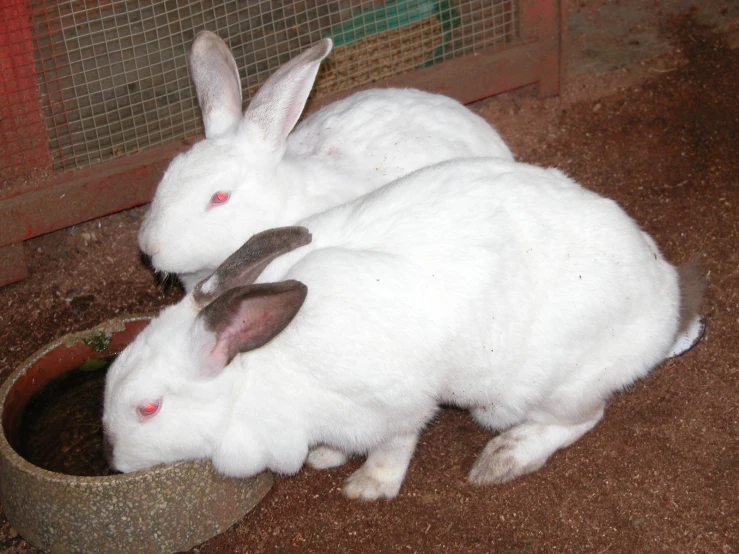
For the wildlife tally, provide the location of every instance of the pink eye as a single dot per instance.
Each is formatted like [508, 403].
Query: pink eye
[220, 197]
[149, 408]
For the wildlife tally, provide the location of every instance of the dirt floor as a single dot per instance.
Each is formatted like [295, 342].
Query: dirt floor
[657, 129]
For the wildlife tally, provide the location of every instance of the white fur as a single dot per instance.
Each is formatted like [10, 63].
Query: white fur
[276, 177]
[491, 285]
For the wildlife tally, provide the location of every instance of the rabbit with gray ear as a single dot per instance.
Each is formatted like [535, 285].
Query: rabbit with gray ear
[498, 287]
[256, 170]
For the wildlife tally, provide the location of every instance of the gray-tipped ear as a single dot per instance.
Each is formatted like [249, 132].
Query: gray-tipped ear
[244, 266]
[217, 84]
[276, 107]
[246, 318]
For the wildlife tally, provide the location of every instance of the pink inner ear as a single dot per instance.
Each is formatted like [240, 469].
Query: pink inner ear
[240, 325]
[250, 320]
[246, 318]
[218, 357]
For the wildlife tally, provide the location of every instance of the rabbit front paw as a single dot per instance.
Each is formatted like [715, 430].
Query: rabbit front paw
[384, 471]
[372, 482]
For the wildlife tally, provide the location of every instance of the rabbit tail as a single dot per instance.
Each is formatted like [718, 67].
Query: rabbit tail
[692, 287]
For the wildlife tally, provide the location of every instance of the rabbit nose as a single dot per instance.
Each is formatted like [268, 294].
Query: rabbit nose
[147, 243]
[151, 248]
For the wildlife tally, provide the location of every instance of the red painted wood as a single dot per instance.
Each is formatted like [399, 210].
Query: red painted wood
[545, 20]
[77, 196]
[551, 36]
[24, 146]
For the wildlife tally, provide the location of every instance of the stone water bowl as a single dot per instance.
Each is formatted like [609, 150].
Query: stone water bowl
[167, 508]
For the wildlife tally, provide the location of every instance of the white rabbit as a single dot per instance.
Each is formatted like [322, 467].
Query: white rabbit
[251, 173]
[495, 286]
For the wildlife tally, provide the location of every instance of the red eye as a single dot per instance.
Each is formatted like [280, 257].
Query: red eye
[149, 408]
[220, 197]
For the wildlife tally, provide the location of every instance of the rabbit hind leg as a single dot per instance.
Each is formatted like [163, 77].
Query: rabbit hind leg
[526, 447]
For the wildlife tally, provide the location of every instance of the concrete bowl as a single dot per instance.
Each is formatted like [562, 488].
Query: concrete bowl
[167, 508]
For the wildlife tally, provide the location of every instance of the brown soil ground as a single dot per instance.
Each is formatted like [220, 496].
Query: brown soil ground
[659, 474]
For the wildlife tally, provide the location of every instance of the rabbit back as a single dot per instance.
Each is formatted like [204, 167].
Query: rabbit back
[511, 286]
[391, 132]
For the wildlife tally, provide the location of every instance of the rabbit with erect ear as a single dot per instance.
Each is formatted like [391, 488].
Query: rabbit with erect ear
[257, 170]
[498, 287]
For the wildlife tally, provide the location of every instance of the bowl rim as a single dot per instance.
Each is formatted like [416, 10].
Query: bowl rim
[112, 325]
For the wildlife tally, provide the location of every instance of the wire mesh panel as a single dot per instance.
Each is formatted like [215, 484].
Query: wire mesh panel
[112, 76]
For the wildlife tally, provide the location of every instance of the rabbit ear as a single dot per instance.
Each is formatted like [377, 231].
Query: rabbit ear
[277, 105]
[244, 266]
[217, 84]
[246, 318]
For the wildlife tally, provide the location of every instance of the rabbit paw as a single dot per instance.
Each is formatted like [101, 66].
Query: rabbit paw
[323, 457]
[526, 448]
[372, 482]
[384, 471]
[498, 462]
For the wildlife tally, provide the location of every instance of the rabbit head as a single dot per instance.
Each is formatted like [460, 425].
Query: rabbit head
[169, 395]
[225, 187]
